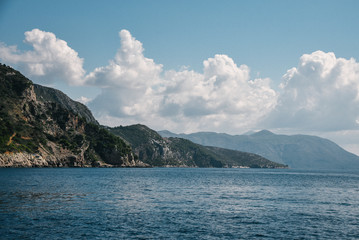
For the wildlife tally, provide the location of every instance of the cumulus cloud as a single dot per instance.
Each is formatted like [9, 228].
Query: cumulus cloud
[136, 89]
[129, 69]
[322, 93]
[127, 83]
[50, 60]
[222, 98]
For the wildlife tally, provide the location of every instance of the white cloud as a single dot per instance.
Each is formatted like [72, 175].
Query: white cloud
[135, 89]
[127, 83]
[130, 69]
[223, 98]
[50, 60]
[322, 93]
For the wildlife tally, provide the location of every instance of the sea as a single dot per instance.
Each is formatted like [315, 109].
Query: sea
[178, 203]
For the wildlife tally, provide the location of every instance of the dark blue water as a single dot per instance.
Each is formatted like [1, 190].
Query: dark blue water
[172, 203]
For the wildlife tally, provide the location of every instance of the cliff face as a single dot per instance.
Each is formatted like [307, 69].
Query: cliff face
[40, 127]
[177, 152]
[46, 94]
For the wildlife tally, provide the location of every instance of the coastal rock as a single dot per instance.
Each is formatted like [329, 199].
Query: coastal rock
[42, 127]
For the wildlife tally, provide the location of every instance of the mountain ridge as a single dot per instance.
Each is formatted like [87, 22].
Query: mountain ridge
[297, 151]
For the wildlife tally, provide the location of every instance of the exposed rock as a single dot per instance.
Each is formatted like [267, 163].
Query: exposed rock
[45, 128]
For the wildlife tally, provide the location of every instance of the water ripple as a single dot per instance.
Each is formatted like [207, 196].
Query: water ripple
[177, 204]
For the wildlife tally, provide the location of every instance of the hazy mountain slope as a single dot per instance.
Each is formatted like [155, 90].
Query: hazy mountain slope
[297, 151]
[43, 132]
[157, 151]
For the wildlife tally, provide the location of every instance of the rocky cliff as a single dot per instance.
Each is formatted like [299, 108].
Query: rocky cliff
[39, 127]
[46, 94]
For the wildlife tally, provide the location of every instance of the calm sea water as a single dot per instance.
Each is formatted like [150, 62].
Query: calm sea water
[178, 203]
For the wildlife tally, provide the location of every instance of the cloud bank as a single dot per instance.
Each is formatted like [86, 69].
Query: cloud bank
[320, 94]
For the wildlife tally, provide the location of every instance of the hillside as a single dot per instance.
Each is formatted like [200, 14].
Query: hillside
[296, 151]
[177, 152]
[42, 127]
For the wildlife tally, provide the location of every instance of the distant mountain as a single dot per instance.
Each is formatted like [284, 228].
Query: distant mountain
[154, 150]
[297, 151]
[42, 127]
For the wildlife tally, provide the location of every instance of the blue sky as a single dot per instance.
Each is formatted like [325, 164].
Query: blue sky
[266, 38]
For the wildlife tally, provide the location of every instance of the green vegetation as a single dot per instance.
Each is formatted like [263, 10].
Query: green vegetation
[200, 156]
[136, 134]
[104, 142]
[13, 83]
[145, 142]
[234, 158]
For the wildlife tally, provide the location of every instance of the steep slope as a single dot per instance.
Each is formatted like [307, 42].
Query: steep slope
[40, 133]
[47, 94]
[297, 151]
[157, 151]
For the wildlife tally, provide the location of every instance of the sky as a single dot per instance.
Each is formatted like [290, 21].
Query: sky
[186, 66]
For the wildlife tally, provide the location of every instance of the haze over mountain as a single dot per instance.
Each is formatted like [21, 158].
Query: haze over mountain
[297, 151]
